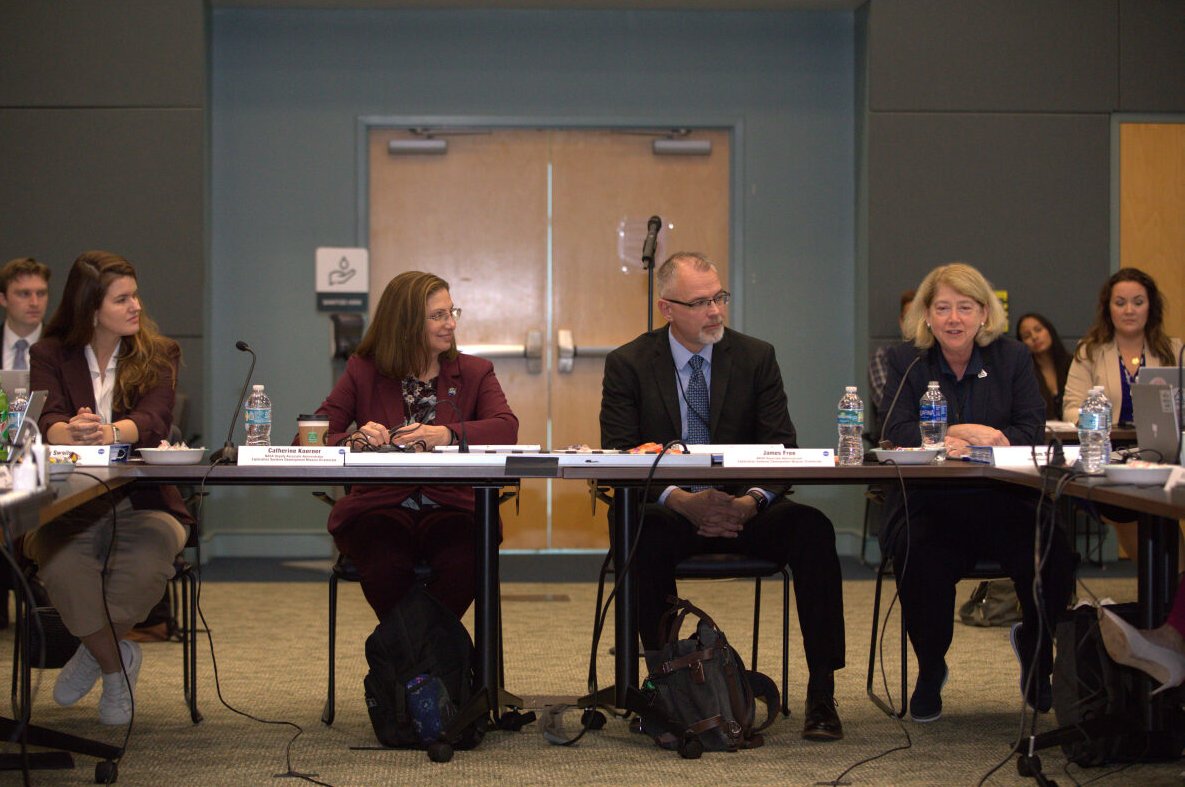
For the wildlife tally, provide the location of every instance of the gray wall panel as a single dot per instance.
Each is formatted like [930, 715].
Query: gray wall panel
[993, 55]
[100, 53]
[125, 180]
[1151, 55]
[1025, 198]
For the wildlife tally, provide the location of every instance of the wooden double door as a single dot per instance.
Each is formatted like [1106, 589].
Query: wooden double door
[539, 234]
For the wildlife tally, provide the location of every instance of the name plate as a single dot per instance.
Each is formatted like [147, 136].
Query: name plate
[764, 456]
[1021, 455]
[291, 456]
[91, 455]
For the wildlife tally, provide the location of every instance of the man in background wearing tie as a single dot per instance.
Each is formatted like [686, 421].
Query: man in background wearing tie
[24, 294]
[698, 381]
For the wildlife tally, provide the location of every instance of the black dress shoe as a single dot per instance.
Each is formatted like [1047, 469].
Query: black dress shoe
[822, 721]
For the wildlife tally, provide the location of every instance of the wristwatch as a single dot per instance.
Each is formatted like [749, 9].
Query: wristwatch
[115, 435]
[759, 499]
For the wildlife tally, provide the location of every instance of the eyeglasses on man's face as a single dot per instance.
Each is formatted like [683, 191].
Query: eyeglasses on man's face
[721, 299]
[441, 315]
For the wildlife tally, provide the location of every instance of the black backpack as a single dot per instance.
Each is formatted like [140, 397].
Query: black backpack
[699, 696]
[421, 672]
[1101, 698]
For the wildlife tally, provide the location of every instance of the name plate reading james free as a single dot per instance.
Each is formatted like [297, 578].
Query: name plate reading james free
[763, 456]
[291, 456]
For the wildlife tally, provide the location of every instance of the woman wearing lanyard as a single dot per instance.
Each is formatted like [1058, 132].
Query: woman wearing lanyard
[111, 378]
[956, 325]
[1127, 335]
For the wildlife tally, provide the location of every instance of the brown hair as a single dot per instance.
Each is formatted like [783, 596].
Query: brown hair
[22, 266]
[1103, 329]
[144, 355]
[395, 340]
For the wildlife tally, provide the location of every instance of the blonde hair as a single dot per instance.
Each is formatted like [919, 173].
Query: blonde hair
[968, 282]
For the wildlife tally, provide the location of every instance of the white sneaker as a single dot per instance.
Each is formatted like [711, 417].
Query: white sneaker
[77, 678]
[115, 704]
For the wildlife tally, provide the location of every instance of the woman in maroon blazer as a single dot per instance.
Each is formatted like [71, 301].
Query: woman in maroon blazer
[110, 377]
[406, 384]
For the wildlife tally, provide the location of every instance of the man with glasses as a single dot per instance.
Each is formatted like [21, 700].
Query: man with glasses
[701, 382]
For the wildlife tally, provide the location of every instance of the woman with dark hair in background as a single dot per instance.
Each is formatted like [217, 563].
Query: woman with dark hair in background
[407, 384]
[111, 378]
[1127, 335]
[1051, 360]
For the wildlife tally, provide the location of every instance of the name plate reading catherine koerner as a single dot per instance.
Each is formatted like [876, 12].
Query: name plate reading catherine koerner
[291, 456]
[762, 456]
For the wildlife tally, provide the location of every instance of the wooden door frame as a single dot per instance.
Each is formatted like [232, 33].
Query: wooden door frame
[1117, 120]
[734, 125]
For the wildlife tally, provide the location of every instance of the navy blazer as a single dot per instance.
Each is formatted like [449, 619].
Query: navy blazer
[1004, 396]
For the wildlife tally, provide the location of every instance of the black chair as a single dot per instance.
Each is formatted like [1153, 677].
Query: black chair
[984, 569]
[731, 566]
[182, 592]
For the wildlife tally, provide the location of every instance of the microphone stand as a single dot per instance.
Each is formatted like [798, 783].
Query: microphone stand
[229, 453]
[652, 229]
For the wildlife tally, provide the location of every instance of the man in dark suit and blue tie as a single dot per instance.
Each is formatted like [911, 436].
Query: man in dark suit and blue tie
[698, 381]
[24, 296]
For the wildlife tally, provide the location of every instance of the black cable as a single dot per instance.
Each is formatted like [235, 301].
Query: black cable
[201, 496]
[898, 578]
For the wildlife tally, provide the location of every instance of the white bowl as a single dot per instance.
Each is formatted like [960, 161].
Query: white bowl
[1129, 474]
[60, 469]
[172, 456]
[905, 456]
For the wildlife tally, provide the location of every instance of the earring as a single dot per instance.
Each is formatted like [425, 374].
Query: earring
[928, 326]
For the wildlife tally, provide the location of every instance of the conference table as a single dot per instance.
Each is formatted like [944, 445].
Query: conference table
[1158, 511]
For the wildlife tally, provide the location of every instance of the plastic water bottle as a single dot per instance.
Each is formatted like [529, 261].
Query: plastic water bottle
[932, 419]
[1092, 432]
[1106, 406]
[850, 422]
[259, 417]
[16, 412]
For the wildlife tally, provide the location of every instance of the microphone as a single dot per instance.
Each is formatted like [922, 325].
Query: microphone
[888, 444]
[652, 229]
[229, 453]
[462, 441]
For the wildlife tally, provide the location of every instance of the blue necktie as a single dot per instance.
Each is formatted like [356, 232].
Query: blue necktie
[19, 361]
[697, 404]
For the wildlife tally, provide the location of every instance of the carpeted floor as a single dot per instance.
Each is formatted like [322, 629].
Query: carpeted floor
[270, 640]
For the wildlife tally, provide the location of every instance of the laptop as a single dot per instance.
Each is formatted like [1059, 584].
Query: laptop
[1157, 430]
[10, 380]
[1158, 375]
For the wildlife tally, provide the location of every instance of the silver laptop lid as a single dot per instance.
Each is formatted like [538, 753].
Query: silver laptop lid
[1156, 422]
[10, 380]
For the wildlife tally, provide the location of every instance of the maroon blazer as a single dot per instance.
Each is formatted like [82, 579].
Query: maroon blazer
[363, 394]
[64, 373]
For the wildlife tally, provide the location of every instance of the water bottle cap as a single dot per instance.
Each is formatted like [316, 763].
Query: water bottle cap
[850, 389]
[257, 388]
[932, 384]
[21, 391]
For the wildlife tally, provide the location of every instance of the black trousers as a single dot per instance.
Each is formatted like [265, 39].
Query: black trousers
[949, 531]
[800, 536]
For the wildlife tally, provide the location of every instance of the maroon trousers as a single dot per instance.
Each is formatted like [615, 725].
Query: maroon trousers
[386, 545]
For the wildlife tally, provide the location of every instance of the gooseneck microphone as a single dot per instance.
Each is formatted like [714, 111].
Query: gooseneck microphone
[888, 444]
[648, 247]
[229, 453]
[462, 441]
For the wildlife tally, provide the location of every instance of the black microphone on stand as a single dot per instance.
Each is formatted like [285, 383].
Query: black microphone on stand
[229, 453]
[652, 229]
[462, 441]
[888, 444]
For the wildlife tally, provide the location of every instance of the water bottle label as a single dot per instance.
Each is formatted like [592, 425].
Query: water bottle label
[933, 412]
[1091, 421]
[258, 416]
[850, 418]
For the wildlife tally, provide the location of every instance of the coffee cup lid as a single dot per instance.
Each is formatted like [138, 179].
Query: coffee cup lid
[314, 417]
